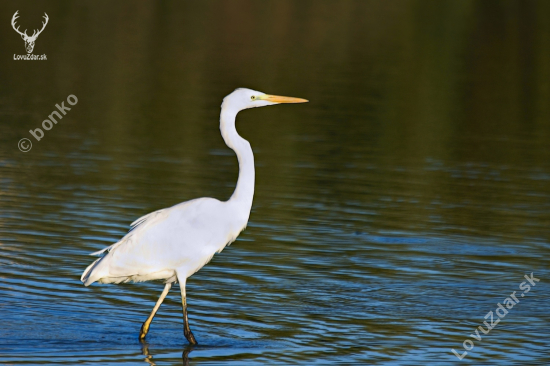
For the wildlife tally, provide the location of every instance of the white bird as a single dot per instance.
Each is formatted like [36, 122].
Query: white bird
[173, 243]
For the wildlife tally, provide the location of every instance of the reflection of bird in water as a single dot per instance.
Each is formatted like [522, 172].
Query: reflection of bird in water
[147, 354]
[173, 243]
[185, 355]
[149, 357]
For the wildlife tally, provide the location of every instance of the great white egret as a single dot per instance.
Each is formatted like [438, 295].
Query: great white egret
[173, 243]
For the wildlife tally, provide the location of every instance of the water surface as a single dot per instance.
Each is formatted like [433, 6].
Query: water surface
[391, 214]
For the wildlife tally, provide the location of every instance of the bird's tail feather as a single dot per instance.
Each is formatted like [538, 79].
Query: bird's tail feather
[88, 271]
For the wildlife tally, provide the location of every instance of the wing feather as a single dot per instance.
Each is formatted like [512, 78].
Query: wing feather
[142, 220]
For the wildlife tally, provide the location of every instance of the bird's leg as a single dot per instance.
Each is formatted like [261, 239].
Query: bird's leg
[147, 323]
[186, 330]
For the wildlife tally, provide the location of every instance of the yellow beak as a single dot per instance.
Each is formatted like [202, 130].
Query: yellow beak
[280, 99]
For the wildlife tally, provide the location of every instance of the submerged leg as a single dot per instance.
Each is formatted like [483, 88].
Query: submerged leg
[186, 330]
[145, 326]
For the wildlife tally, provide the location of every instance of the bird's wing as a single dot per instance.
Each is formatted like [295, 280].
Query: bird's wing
[183, 237]
[144, 218]
[133, 226]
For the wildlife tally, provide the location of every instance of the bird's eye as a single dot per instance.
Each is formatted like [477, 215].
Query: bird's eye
[253, 97]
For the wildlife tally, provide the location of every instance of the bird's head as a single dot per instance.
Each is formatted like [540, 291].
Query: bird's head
[243, 98]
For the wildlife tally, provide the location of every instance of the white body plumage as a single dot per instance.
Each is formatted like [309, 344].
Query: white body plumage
[168, 240]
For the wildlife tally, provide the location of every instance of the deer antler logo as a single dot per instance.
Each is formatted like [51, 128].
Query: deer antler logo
[29, 41]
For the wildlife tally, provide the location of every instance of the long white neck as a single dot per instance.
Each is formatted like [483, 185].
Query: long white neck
[244, 192]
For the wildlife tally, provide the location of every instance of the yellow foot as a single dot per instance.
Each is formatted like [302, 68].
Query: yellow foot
[143, 332]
